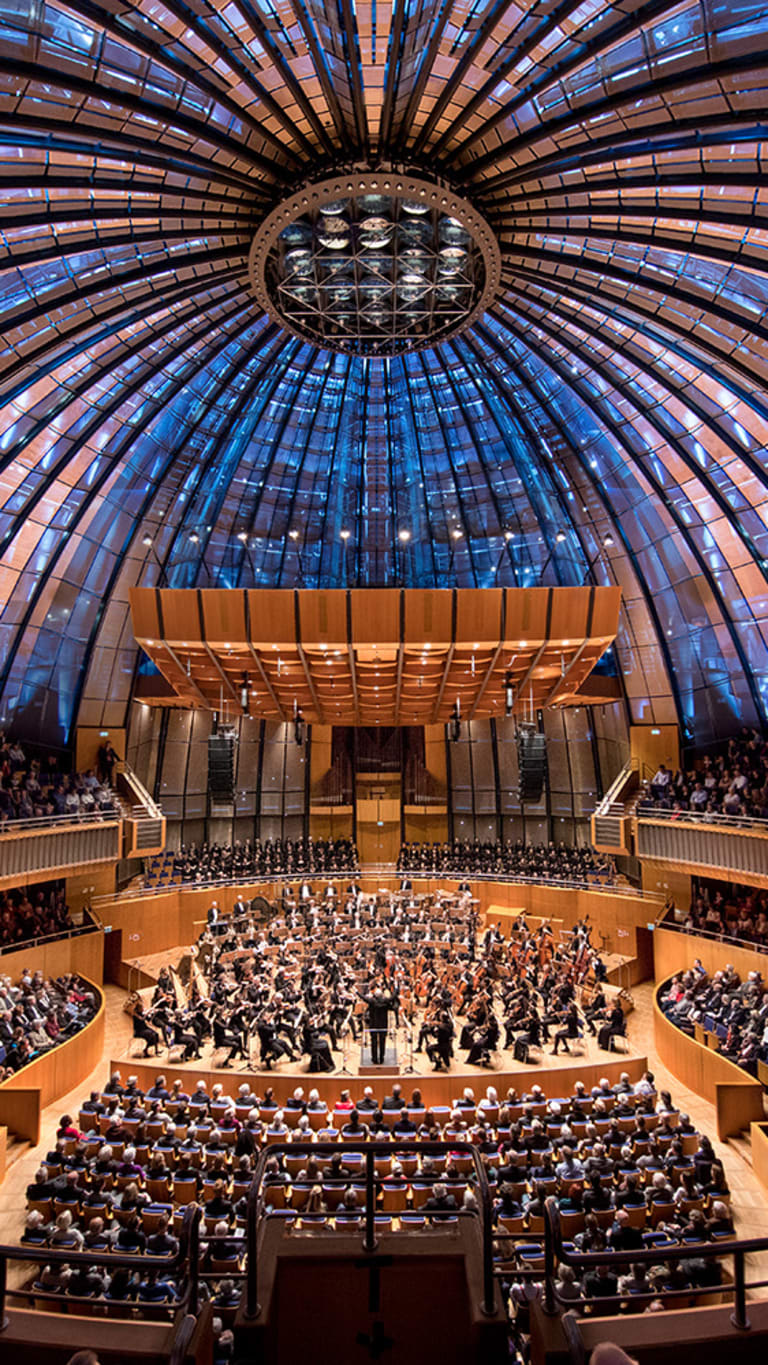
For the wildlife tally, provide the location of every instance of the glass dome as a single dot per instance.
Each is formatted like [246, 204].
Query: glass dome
[613, 390]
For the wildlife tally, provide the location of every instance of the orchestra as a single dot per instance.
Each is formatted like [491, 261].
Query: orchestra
[329, 969]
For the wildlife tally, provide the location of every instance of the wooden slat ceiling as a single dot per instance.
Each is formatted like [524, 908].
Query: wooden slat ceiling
[386, 656]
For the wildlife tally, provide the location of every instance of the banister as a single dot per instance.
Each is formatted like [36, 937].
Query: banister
[738, 1248]
[112, 1259]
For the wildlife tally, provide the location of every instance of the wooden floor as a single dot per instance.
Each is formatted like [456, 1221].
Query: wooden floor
[750, 1201]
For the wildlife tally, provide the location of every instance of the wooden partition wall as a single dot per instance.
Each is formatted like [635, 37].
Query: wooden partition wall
[82, 953]
[149, 924]
[675, 952]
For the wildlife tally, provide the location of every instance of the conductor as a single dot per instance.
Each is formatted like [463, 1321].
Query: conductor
[379, 1006]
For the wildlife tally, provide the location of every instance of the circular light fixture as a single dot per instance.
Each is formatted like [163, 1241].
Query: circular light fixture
[374, 273]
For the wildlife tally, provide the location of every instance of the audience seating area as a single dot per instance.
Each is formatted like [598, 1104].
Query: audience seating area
[37, 1014]
[29, 912]
[159, 871]
[739, 914]
[627, 1168]
[733, 783]
[735, 1011]
[34, 788]
[561, 862]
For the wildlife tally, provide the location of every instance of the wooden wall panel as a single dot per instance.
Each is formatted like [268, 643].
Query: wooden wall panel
[478, 618]
[20, 1111]
[181, 616]
[675, 952]
[83, 954]
[426, 824]
[223, 616]
[569, 615]
[526, 618]
[652, 749]
[88, 741]
[605, 614]
[323, 617]
[144, 614]
[375, 616]
[428, 618]
[272, 616]
[758, 1134]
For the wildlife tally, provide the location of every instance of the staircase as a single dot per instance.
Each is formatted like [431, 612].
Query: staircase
[741, 1143]
[15, 1149]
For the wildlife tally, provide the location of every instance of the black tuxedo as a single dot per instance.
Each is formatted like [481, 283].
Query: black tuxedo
[379, 1006]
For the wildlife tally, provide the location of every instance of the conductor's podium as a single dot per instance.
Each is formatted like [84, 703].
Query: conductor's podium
[418, 1296]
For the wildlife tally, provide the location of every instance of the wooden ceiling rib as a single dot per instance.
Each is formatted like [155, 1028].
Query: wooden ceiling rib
[389, 656]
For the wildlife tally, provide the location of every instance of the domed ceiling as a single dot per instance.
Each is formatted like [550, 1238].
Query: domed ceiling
[602, 418]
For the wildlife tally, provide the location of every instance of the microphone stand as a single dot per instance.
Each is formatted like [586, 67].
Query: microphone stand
[344, 1070]
[409, 1069]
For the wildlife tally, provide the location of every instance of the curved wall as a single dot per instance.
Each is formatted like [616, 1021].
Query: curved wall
[675, 952]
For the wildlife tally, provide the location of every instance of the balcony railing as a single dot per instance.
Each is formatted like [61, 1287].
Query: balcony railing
[716, 843]
[57, 845]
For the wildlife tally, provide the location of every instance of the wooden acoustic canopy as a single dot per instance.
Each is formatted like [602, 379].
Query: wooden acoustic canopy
[367, 656]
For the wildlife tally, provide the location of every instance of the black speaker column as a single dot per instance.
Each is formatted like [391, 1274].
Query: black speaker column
[532, 764]
[221, 766]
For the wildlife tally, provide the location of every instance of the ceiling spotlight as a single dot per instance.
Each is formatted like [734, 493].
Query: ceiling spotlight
[242, 535]
[345, 535]
[560, 537]
[608, 541]
[404, 535]
[194, 537]
[509, 535]
[457, 533]
[146, 540]
[294, 535]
